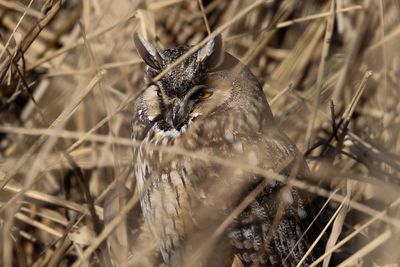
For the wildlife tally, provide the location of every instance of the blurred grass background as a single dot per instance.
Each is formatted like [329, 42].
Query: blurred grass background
[69, 74]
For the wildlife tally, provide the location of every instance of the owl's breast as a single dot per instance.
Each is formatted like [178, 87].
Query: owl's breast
[166, 193]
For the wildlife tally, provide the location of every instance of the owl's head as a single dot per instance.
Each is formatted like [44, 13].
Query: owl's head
[208, 81]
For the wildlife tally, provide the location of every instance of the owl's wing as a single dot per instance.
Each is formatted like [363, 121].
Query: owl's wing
[267, 231]
[272, 231]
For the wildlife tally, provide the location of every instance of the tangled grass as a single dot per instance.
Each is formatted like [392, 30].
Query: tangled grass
[69, 74]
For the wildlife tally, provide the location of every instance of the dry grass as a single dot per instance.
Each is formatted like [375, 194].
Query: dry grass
[69, 74]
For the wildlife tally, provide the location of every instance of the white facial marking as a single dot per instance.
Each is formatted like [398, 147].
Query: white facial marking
[183, 129]
[196, 114]
[171, 133]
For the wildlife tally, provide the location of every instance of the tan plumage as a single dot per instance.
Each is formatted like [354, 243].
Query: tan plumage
[212, 105]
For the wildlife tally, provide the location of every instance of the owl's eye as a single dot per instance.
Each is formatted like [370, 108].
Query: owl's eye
[159, 93]
[202, 94]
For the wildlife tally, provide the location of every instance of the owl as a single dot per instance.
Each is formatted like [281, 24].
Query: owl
[201, 129]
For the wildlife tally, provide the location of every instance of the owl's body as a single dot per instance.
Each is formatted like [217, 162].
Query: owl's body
[202, 127]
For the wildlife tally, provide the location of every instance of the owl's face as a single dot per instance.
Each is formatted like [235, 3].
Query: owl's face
[191, 90]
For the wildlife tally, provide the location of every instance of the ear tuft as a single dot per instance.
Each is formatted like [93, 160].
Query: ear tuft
[212, 53]
[150, 55]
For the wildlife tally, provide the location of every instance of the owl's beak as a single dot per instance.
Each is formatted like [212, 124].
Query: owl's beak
[177, 115]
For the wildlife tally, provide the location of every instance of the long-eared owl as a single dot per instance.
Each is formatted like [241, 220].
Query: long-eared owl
[202, 128]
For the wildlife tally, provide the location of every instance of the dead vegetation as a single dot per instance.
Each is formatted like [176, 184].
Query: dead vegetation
[69, 73]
